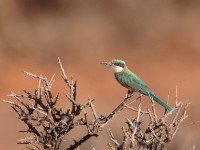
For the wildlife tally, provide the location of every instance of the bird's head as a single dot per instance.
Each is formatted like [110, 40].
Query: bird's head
[116, 65]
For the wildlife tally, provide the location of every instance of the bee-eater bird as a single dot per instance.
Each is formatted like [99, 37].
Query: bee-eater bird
[131, 81]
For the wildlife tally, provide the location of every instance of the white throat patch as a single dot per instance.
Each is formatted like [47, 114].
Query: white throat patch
[117, 68]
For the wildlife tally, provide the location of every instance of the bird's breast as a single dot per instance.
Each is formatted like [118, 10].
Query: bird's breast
[122, 78]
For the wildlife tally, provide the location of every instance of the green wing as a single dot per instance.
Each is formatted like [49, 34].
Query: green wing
[132, 81]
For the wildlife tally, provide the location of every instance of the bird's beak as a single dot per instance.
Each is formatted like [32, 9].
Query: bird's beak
[106, 63]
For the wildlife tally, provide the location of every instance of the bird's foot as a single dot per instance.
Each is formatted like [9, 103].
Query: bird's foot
[129, 92]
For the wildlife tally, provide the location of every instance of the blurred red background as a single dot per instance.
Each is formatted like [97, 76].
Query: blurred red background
[159, 40]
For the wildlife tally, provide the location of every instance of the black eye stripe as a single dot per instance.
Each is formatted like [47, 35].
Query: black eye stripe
[118, 64]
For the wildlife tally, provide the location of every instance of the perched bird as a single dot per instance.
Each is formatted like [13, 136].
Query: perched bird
[131, 81]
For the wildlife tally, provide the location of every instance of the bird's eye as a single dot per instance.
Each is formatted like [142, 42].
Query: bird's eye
[118, 64]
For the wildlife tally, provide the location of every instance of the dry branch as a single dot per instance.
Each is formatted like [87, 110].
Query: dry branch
[49, 125]
[157, 134]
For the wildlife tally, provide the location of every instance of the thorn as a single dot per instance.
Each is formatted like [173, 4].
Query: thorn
[176, 94]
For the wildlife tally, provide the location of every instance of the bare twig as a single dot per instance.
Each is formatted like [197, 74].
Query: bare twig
[92, 108]
[63, 73]
[136, 110]
[157, 134]
[118, 109]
